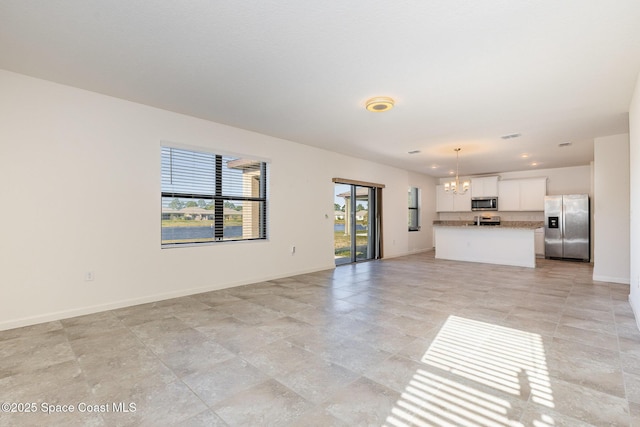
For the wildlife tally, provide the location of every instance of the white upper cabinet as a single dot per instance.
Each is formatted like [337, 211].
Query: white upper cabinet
[513, 194]
[522, 194]
[486, 186]
[509, 195]
[532, 192]
[444, 201]
[449, 202]
[462, 202]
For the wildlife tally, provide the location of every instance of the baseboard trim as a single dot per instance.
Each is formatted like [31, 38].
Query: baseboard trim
[635, 312]
[611, 279]
[81, 311]
[417, 251]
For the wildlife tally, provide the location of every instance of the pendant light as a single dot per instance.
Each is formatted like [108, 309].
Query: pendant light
[454, 186]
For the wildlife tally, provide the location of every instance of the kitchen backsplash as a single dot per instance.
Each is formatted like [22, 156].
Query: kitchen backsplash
[504, 216]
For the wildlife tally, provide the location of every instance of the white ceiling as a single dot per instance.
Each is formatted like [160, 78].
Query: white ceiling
[462, 72]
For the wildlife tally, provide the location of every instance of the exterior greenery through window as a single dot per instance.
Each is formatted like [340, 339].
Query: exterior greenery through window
[210, 197]
[414, 209]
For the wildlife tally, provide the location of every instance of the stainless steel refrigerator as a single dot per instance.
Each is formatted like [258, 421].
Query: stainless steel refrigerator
[567, 231]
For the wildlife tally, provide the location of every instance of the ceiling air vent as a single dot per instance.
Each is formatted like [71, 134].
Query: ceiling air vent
[564, 144]
[414, 152]
[511, 136]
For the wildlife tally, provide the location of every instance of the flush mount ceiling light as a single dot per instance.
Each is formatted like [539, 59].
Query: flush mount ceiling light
[454, 186]
[379, 104]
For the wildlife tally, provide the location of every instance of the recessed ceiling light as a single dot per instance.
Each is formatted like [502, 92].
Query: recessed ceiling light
[534, 163]
[524, 155]
[379, 104]
[511, 136]
[434, 166]
[414, 152]
[452, 172]
[564, 144]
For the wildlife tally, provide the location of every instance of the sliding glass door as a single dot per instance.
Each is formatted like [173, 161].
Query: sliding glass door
[355, 228]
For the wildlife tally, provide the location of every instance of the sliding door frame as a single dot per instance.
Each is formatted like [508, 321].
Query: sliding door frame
[376, 240]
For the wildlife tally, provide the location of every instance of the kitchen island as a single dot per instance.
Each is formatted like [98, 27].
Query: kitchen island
[511, 243]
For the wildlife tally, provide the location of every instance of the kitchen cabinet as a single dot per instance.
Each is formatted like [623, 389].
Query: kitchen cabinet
[486, 186]
[532, 192]
[539, 242]
[490, 245]
[462, 202]
[444, 201]
[509, 195]
[449, 202]
[522, 194]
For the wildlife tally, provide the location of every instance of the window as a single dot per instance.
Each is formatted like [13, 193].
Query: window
[414, 209]
[209, 197]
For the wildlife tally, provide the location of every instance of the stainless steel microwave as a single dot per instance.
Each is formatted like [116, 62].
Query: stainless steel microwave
[484, 204]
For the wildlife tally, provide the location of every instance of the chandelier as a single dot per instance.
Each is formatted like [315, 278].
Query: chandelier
[454, 186]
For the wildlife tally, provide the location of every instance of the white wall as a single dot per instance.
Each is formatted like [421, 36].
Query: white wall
[418, 239]
[81, 192]
[570, 180]
[611, 209]
[634, 156]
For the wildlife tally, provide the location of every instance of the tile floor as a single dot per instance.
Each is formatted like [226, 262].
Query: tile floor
[406, 341]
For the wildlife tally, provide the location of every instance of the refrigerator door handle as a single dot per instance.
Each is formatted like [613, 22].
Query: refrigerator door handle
[562, 219]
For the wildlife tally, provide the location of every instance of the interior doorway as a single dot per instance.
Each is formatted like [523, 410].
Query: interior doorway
[356, 223]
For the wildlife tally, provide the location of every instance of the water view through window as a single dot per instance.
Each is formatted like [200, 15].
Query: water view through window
[208, 197]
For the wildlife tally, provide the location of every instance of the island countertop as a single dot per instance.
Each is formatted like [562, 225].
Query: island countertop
[525, 225]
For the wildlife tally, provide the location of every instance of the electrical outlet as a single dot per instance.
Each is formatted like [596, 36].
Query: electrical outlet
[88, 276]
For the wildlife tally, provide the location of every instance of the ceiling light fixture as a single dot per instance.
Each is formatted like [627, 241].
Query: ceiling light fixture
[454, 186]
[379, 104]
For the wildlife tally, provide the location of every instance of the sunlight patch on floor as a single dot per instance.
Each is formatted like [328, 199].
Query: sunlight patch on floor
[473, 372]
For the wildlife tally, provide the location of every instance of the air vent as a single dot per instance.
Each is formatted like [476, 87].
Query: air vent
[414, 152]
[564, 144]
[511, 136]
